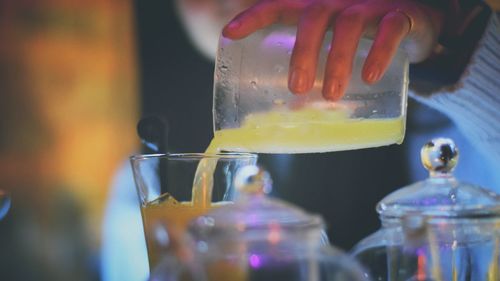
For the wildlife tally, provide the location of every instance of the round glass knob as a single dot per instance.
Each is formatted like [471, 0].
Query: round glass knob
[253, 180]
[439, 155]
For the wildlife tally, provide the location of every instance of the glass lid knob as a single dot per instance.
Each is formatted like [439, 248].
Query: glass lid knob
[253, 180]
[439, 156]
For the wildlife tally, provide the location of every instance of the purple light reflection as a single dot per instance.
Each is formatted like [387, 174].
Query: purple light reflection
[252, 218]
[279, 39]
[431, 201]
[255, 261]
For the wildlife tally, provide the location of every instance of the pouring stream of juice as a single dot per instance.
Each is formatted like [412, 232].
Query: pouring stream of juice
[287, 131]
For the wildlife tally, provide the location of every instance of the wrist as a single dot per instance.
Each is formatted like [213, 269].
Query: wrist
[452, 54]
[456, 16]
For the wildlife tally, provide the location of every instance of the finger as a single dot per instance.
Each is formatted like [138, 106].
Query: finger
[393, 28]
[256, 17]
[310, 33]
[349, 27]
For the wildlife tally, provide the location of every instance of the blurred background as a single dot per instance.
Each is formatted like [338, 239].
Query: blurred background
[68, 107]
[75, 77]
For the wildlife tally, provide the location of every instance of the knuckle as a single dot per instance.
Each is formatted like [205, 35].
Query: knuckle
[314, 17]
[301, 50]
[318, 7]
[276, 5]
[340, 57]
[353, 14]
[383, 48]
[334, 75]
[259, 19]
[395, 18]
[292, 4]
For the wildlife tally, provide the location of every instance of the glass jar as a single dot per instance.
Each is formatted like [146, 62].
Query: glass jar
[257, 238]
[255, 111]
[436, 229]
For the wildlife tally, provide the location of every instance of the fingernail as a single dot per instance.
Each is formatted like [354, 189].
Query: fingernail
[331, 90]
[373, 74]
[299, 81]
[234, 25]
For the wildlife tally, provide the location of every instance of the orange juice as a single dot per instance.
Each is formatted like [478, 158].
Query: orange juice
[168, 216]
[324, 131]
[271, 132]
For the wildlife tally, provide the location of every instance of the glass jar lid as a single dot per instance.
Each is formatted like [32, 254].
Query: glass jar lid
[441, 195]
[254, 211]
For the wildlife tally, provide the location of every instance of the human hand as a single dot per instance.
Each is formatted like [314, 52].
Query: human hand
[388, 21]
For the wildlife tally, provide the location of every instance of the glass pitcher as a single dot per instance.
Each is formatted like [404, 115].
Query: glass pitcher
[257, 238]
[436, 229]
[254, 110]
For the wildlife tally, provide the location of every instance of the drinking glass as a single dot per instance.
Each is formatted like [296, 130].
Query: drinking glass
[175, 188]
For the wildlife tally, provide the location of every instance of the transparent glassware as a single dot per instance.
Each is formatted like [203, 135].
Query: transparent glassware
[464, 249]
[169, 184]
[257, 238]
[251, 94]
[436, 229]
